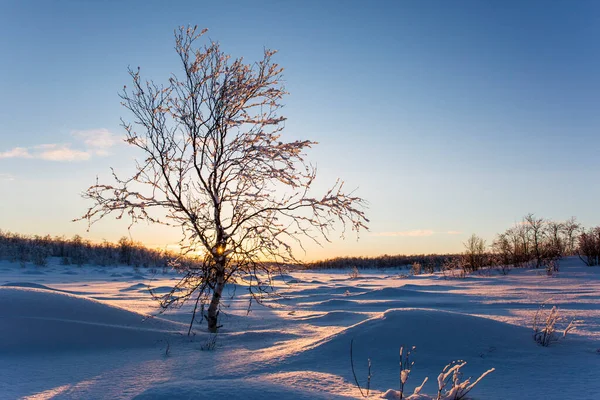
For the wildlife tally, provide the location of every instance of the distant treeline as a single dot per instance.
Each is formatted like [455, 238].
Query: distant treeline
[534, 242]
[429, 262]
[79, 251]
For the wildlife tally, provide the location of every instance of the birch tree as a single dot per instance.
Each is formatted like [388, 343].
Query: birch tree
[216, 165]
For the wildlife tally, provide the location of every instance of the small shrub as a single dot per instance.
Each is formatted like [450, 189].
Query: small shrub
[354, 273]
[504, 269]
[450, 386]
[416, 268]
[572, 326]
[452, 268]
[458, 390]
[545, 325]
[210, 344]
[429, 268]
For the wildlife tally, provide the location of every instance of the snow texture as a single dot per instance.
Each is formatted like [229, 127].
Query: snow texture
[69, 333]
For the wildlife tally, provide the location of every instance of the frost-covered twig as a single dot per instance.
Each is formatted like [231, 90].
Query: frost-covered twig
[444, 376]
[354, 373]
[546, 334]
[460, 389]
[405, 367]
[572, 326]
[450, 374]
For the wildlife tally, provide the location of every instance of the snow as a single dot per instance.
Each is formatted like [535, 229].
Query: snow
[38, 321]
[95, 332]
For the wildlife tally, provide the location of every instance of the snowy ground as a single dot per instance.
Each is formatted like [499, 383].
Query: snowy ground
[80, 332]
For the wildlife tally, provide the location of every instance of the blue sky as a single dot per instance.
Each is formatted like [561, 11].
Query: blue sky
[455, 117]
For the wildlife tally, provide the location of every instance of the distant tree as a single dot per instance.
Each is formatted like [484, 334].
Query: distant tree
[125, 250]
[524, 234]
[571, 229]
[77, 250]
[555, 241]
[589, 246]
[504, 252]
[475, 254]
[214, 161]
[536, 228]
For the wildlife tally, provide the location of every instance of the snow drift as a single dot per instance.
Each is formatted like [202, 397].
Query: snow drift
[39, 320]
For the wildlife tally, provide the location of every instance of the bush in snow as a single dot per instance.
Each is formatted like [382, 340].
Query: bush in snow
[354, 273]
[210, 344]
[452, 268]
[545, 325]
[452, 376]
[450, 386]
[416, 268]
[552, 266]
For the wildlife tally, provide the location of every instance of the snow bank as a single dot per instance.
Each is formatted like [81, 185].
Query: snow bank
[437, 334]
[439, 337]
[30, 285]
[36, 320]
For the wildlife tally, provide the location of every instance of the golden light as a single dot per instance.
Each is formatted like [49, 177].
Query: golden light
[220, 249]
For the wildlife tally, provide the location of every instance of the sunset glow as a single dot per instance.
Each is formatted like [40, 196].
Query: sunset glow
[470, 125]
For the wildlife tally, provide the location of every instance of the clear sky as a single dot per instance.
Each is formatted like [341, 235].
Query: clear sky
[451, 117]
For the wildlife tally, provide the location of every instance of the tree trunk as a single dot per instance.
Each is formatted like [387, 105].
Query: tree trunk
[213, 308]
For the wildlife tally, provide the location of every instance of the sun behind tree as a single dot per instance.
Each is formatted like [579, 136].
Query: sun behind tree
[215, 162]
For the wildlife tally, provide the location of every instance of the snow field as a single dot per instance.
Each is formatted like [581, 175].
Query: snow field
[69, 332]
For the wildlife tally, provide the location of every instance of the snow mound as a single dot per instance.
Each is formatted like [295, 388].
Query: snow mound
[136, 286]
[394, 293]
[336, 318]
[28, 285]
[439, 337]
[349, 303]
[36, 320]
[232, 389]
[282, 277]
[325, 290]
[428, 288]
[161, 289]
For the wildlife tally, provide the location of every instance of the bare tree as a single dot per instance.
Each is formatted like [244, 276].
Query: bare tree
[571, 229]
[524, 234]
[536, 227]
[589, 246]
[555, 246]
[517, 245]
[214, 162]
[475, 255]
[505, 256]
